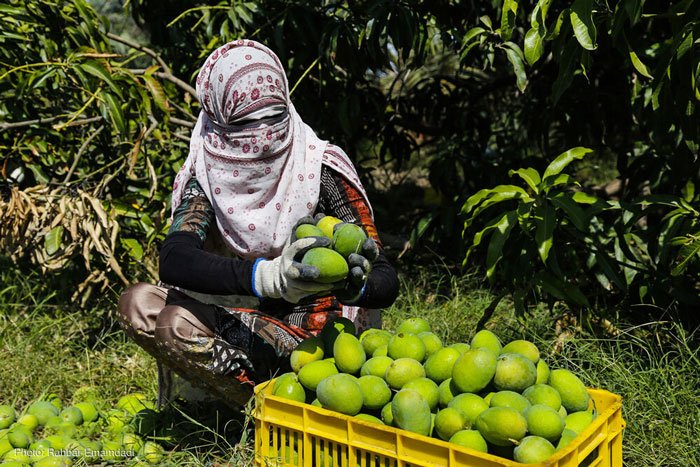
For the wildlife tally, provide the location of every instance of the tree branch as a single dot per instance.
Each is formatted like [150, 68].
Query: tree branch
[80, 152]
[142, 48]
[168, 77]
[39, 121]
[179, 121]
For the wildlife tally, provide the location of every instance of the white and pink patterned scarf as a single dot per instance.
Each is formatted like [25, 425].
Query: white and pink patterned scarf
[257, 161]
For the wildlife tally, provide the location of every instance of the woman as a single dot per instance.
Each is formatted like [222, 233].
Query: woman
[233, 300]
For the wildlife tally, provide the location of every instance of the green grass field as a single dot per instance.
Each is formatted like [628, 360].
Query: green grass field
[654, 366]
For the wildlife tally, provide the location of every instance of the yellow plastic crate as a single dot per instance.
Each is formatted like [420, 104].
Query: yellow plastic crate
[323, 438]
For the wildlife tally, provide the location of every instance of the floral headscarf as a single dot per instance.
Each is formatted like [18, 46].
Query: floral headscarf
[257, 161]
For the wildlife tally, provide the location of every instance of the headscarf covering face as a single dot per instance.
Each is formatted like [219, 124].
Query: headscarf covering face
[257, 161]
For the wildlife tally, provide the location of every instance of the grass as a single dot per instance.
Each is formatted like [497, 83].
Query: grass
[49, 346]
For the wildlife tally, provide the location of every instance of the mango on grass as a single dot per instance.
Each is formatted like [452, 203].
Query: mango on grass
[461, 347]
[88, 410]
[411, 412]
[7, 416]
[306, 351]
[72, 414]
[42, 410]
[331, 265]
[133, 403]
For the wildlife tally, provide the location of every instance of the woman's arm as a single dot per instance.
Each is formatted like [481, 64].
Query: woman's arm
[185, 263]
[340, 199]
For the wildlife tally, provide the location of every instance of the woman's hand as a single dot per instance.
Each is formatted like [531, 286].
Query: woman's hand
[285, 277]
[351, 289]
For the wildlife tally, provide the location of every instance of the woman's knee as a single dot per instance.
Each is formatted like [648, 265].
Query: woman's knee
[179, 328]
[139, 306]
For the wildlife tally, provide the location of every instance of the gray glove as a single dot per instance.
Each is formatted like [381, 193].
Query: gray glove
[351, 289]
[285, 277]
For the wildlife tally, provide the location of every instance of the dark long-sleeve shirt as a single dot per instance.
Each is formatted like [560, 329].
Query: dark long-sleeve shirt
[191, 255]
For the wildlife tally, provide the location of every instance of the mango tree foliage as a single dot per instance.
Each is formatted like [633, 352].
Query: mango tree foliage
[90, 142]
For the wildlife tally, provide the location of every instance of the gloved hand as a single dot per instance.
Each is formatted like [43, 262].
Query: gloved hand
[285, 277]
[351, 289]
[306, 220]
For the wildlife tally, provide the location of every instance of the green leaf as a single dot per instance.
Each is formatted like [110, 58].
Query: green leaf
[558, 24]
[539, 14]
[510, 191]
[158, 93]
[581, 197]
[420, 228]
[638, 65]
[498, 240]
[564, 159]
[115, 112]
[575, 214]
[688, 253]
[530, 175]
[53, 240]
[500, 194]
[94, 68]
[534, 46]
[609, 270]
[570, 54]
[544, 235]
[508, 15]
[556, 180]
[516, 58]
[582, 22]
[471, 34]
[133, 248]
[560, 289]
[478, 237]
[475, 199]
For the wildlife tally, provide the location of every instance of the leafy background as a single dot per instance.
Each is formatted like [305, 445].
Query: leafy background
[454, 111]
